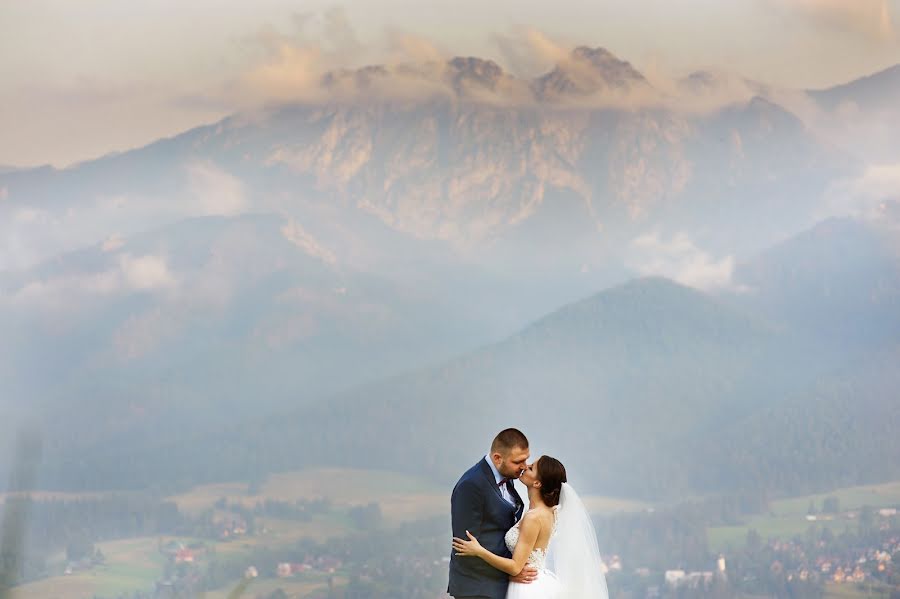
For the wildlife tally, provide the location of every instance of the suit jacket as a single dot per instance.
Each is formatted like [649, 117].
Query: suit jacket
[476, 505]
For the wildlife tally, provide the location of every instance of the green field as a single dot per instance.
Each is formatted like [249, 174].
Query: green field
[886, 494]
[722, 537]
[401, 497]
[862, 590]
[131, 564]
[134, 564]
[137, 564]
[788, 516]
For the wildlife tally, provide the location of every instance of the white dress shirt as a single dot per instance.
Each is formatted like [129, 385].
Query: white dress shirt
[504, 492]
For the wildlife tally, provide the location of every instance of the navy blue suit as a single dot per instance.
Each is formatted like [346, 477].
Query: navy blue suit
[477, 506]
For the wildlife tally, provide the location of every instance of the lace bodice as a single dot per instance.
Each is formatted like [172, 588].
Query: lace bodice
[538, 557]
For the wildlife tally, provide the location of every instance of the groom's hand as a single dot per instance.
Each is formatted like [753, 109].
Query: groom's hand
[526, 576]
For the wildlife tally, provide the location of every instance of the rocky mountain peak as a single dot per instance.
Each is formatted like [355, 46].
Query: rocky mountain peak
[464, 72]
[588, 71]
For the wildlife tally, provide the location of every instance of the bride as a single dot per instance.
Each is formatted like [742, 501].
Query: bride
[555, 536]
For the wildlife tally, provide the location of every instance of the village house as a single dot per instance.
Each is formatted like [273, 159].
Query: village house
[284, 570]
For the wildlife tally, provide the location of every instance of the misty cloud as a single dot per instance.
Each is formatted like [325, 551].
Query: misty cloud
[404, 47]
[530, 52]
[866, 194]
[145, 272]
[869, 19]
[294, 233]
[291, 74]
[72, 292]
[30, 234]
[216, 191]
[80, 100]
[679, 259]
[308, 66]
[289, 65]
[337, 29]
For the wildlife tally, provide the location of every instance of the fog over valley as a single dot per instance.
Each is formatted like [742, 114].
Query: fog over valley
[297, 324]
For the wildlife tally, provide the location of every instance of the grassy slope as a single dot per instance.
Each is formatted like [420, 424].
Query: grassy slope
[130, 564]
[135, 563]
[788, 516]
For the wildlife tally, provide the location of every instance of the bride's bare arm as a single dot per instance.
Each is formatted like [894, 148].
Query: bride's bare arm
[529, 528]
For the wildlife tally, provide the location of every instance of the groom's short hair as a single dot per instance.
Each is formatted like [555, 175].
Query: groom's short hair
[509, 439]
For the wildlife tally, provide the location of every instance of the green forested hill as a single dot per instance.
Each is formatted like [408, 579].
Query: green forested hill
[649, 389]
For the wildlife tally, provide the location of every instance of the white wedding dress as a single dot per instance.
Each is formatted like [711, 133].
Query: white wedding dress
[570, 567]
[546, 585]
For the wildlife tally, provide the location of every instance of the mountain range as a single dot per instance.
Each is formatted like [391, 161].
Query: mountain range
[330, 278]
[649, 389]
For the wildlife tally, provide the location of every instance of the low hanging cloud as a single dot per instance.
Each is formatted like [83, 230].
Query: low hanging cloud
[215, 191]
[145, 272]
[292, 73]
[30, 233]
[866, 196]
[322, 61]
[869, 19]
[530, 52]
[678, 258]
[316, 66]
[70, 293]
[296, 234]
[406, 47]
[290, 65]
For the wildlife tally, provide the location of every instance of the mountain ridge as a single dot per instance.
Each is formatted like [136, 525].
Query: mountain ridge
[319, 246]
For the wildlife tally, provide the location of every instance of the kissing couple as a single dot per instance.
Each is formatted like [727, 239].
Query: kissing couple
[501, 550]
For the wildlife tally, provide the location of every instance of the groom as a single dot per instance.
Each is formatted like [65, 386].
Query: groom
[485, 503]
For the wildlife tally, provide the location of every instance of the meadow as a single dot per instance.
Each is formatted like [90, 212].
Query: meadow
[787, 517]
[133, 564]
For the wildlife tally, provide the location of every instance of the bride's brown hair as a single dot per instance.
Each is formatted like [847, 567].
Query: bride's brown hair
[552, 475]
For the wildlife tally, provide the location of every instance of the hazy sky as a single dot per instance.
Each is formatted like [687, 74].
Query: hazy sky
[79, 79]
